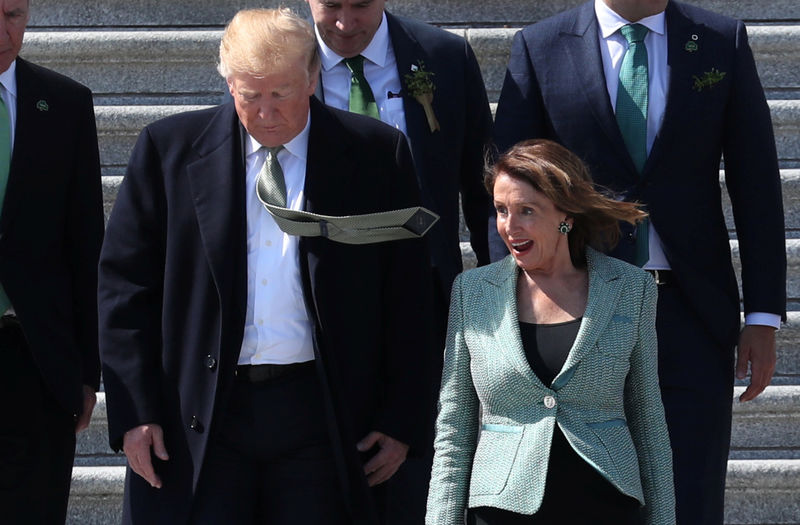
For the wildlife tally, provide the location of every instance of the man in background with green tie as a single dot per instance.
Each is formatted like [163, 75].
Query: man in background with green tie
[51, 227]
[426, 82]
[651, 94]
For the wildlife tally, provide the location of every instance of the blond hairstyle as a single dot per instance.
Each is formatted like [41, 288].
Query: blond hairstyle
[258, 40]
[563, 178]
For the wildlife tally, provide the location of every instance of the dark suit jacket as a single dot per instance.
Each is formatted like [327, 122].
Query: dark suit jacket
[172, 294]
[449, 160]
[555, 88]
[51, 229]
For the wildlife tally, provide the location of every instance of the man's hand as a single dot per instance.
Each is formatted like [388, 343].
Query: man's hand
[385, 463]
[137, 443]
[89, 400]
[756, 346]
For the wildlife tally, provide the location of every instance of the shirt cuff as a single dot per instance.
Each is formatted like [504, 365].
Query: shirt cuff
[763, 318]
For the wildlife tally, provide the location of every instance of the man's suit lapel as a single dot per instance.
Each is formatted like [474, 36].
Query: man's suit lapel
[216, 182]
[408, 52]
[583, 48]
[680, 66]
[28, 165]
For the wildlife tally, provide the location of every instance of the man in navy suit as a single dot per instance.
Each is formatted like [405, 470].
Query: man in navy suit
[705, 101]
[273, 378]
[51, 228]
[448, 152]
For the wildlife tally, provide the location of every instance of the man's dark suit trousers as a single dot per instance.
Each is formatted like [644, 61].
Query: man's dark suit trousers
[37, 438]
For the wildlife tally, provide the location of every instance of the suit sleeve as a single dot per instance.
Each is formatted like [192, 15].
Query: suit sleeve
[520, 115]
[456, 425]
[84, 230]
[477, 136]
[754, 185]
[644, 412]
[520, 109]
[131, 277]
[407, 310]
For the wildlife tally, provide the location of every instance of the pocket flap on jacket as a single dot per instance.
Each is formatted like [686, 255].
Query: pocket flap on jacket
[611, 423]
[494, 458]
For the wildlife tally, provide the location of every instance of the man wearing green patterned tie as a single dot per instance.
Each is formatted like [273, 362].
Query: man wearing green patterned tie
[651, 94]
[51, 227]
[426, 82]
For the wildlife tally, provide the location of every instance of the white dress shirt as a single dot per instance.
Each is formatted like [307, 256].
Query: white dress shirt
[8, 79]
[612, 49]
[8, 90]
[380, 70]
[277, 329]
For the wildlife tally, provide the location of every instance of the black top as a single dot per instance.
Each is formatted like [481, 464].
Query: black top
[547, 346]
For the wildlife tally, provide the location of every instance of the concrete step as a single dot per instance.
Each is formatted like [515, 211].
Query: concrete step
[179, 13]
[92, 448]
[158, 67]
[767, 427]
[96, 495]
[118, 127]
[763, 492]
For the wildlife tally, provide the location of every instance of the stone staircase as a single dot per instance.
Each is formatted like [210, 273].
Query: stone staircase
[150, 58]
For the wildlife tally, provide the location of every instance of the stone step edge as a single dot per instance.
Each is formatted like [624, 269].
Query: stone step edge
[775, 398]
[215, 13]
[82, 54]
[772, 474]
[118, 127]
[767, 36]
[125, 118]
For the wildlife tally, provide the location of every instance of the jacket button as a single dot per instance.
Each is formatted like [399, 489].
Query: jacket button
[211, 363]
[631, 238]
[196, 425]
[549, 401]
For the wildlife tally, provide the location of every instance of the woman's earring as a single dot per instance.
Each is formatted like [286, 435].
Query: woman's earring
[564, 227]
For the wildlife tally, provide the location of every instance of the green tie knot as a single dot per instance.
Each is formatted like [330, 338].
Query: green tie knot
[634, 33]
[355, 65]
[273, 152]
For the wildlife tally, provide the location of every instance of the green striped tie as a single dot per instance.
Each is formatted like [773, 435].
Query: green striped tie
[631, 112]
[5, 164]
[370, 228]
[362, 101]
[270, 181]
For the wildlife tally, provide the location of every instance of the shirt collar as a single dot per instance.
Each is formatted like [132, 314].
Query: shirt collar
[298, 146]
[9, 78]
[375, 51]
[610, 21]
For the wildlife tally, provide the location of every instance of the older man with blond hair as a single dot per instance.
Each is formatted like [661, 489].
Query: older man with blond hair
[252, 375]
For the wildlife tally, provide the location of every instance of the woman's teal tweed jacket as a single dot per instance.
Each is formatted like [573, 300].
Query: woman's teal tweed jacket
[496, 419]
